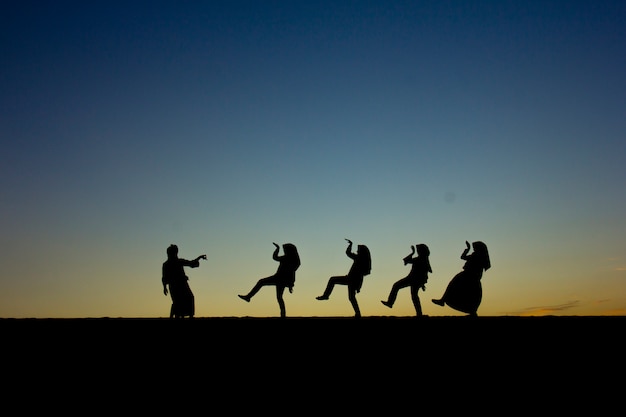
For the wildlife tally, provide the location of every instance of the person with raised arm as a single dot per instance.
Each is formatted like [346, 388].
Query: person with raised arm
[416, 279]
[361, 266]
[285, 276]
[464, 292]
[176, 282]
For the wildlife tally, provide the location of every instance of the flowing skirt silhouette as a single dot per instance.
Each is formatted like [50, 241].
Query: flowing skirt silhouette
[183, 301]
[464, 292]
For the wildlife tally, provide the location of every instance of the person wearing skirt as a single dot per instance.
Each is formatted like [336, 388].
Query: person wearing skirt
[464, 292]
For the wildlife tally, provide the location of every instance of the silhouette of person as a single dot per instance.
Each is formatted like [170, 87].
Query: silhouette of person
[416, 279]
[174, 277]
[361, 266]
[464, 292]
[285, 276]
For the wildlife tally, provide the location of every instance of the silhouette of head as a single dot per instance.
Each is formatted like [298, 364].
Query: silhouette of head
[172, 251]
[481, 249]
[365, 258]
[422, 250]
[291, 252]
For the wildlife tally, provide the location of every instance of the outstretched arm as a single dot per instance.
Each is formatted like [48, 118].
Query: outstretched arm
[193, 263]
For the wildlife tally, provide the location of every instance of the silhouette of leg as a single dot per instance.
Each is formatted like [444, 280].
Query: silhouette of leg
[332, 281]
[281, 302]
[439, 301]
[391, 299]
[393, 294]
[259, 284]
[355, 304]
[416, 300]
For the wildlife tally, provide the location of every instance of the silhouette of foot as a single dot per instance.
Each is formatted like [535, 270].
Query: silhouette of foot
[387, 303]
[322, 297]
[244, 297]
[438, 302]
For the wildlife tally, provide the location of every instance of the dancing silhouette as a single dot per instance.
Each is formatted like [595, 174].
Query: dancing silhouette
[416, 279]
[174, 277]
[361, 266]
[464, 292]
[285, 276]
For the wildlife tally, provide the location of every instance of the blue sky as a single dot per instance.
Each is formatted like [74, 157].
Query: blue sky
[226, 126]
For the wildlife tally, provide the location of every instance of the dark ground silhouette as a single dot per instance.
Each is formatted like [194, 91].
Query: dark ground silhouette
[503, 365]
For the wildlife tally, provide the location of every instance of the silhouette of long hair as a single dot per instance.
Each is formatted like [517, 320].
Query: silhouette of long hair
[292, 260]
[364, 259]
[289, 264]
[481, 251]
[424, 251]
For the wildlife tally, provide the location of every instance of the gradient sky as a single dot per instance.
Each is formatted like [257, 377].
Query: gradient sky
[224, 126]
